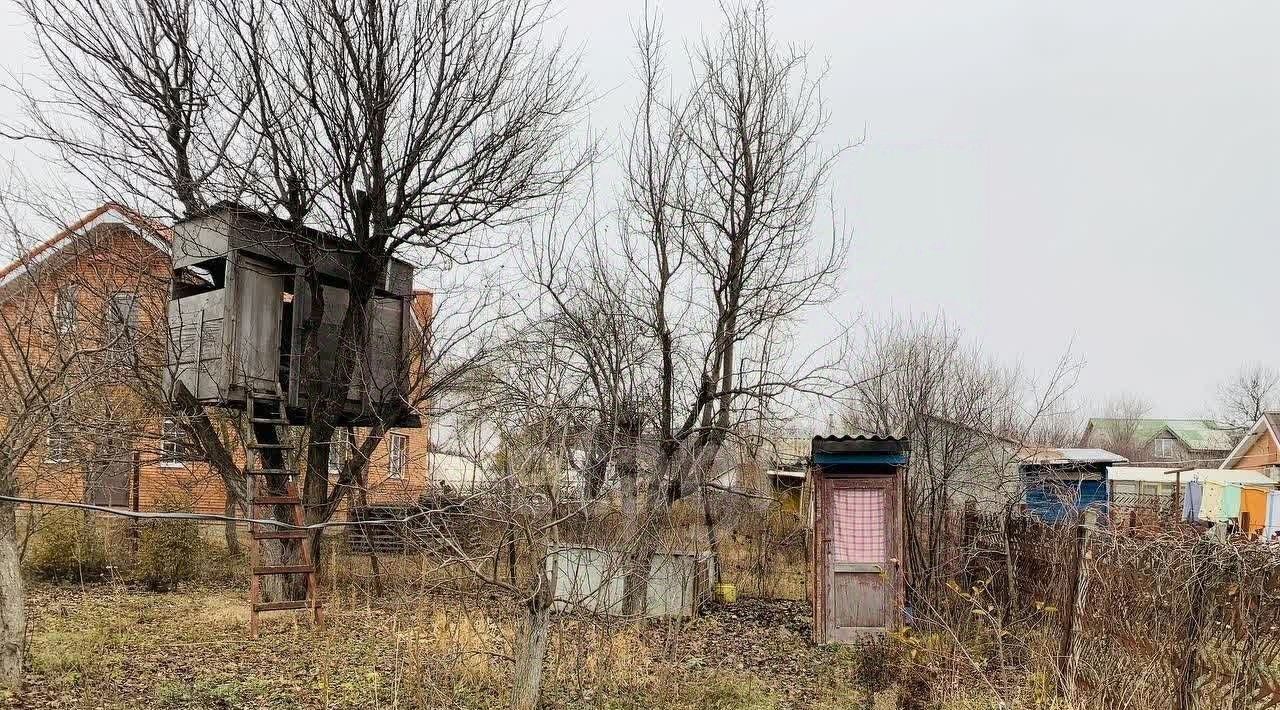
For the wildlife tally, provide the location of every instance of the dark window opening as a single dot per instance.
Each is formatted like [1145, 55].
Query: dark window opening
[286, 340]
[200, 277]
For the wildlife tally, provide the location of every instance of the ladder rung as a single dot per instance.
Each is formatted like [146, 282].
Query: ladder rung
[283, 606]
[268, 396]
[280, 535]
[277, 500]
[284, 569]
[257, 445]
[268, 420]
[265, 472]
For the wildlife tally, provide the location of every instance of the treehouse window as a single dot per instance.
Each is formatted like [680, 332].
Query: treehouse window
[200, 277]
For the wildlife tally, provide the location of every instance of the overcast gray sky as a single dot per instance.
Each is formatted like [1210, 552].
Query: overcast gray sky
[1095, 174]
[1098, 175]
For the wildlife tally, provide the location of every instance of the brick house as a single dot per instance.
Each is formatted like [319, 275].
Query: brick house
[101, 286]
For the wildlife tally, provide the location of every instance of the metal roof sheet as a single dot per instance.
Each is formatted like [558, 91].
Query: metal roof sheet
[1149, 474]
[1072, 455]
[1196, 434]
[861, 444]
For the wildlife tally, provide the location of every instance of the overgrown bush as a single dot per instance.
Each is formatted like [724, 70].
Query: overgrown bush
[66, 547]
[169, 553]
[875, 667]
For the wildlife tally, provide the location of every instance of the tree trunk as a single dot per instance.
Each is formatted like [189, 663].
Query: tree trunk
[361, 500]
[635, 583]
[638, 519]
[229, 528]
[532, 650]
[12, 616]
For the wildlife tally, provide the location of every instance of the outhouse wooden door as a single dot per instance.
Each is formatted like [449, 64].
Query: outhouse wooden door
[860, 586]
[258, 308]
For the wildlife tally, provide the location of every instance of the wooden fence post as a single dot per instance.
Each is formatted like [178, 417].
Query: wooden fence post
[1185, 698]
[1072, 611]
[968, 533]
[1010, 570]
[135, 503]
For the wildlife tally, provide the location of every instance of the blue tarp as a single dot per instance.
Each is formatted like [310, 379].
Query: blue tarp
[1052, 500]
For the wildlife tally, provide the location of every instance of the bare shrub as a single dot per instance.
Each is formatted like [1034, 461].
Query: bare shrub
[67, 548]
[169, 552]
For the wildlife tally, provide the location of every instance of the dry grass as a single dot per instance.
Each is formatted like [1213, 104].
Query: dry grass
[434, 639]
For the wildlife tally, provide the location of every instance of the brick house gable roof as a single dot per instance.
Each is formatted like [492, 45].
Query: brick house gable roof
[154, 232]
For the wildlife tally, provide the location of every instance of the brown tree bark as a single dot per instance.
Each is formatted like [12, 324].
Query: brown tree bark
[229, 530]
[531, 651]
[12, 615]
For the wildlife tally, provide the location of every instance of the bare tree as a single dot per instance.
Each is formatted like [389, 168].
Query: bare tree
[1119, 430]
[719, 246]
[1243, 398]
[968, 417]
[55, 425]
[402, 128]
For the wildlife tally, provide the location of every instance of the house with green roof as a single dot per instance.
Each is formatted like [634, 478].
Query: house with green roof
[1201, 443]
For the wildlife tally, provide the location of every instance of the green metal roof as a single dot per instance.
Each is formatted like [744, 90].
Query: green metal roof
[1196, 434]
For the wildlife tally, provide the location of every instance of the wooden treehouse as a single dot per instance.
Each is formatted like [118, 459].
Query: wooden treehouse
[239, 306]
[238, 313]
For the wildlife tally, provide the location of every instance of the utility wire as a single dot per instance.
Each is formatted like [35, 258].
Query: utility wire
[212, 517]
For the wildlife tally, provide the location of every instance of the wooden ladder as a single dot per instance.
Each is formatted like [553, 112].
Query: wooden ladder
[274, 483]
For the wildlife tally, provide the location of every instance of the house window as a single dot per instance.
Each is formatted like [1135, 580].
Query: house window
[121, 327]
[58, 437]
[397, 448]
[172, 451]
[338, 447]
[64, 309]
[1163, 448]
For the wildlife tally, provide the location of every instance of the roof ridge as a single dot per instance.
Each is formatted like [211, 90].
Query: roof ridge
[136, 218]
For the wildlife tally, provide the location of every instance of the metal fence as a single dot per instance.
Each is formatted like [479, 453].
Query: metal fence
[1154, 616]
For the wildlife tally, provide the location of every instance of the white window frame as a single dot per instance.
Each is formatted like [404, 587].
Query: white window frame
[64, 309]
[1163, 448]
[397, 455]
[173, 453]
[340, 446]
[123, 346]
[57, 440]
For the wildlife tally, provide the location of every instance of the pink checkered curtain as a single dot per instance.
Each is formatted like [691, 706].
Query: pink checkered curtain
[858, 526]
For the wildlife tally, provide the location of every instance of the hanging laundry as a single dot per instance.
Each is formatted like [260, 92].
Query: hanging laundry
[1273, 516]
[1211, 501]
[1253, 504]
[1191, 501]
[1230, 502]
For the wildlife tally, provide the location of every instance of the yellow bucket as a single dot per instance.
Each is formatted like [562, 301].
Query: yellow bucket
[727, 592]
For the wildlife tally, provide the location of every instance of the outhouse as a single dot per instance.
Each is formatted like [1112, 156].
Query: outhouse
[856, 586]
[239, 305]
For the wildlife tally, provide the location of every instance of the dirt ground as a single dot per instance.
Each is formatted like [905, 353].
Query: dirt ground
[110, 646]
